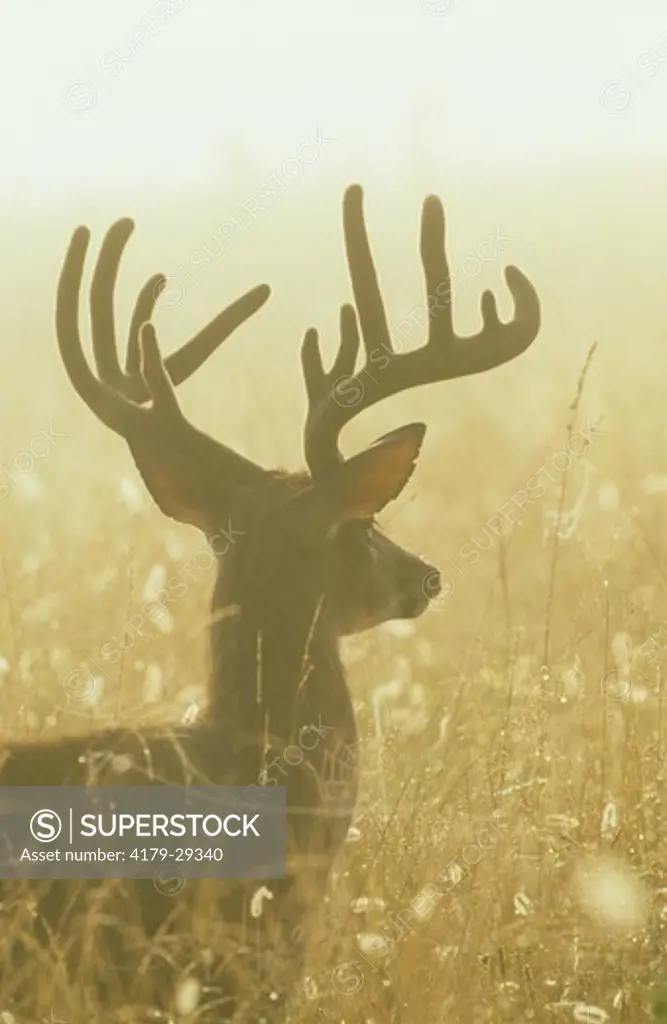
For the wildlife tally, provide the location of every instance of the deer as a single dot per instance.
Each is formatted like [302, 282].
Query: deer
[309, 565]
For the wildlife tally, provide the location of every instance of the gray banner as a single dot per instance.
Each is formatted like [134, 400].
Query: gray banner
[142, 831]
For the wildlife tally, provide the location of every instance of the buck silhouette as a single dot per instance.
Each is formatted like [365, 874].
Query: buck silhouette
[307, 566]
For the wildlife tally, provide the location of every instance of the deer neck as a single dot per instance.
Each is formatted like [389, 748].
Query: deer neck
[276, 666]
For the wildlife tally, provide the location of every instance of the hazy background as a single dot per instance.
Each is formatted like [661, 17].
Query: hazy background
[544, 122]
[541, 124]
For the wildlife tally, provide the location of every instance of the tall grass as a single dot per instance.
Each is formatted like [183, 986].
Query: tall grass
[507, 859]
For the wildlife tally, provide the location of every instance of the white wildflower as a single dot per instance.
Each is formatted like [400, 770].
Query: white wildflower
[187, 997]
[257, 901]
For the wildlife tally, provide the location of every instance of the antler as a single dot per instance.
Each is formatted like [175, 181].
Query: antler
[338, 396]
[179, 365]
[116, 396]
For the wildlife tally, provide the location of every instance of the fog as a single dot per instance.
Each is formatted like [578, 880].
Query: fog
[525, 694]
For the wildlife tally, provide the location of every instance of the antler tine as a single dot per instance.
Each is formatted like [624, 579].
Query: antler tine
[180, 364]
[365, 284]
[111, 407]
[143, 311]
[101, 302]
[190, 356]
[154, 372]
[387, 371]
[437, 276]
[321, 386]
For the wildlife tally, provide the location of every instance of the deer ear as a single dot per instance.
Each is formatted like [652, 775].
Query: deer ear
[179, 487]
[370, 480]
[361, 486]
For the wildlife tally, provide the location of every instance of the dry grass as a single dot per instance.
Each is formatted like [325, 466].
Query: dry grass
[522, 699]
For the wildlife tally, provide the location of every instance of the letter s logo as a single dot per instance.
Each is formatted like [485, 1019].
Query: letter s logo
[45, 826]
[348, 391]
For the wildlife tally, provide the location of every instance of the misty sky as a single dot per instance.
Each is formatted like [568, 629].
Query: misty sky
[475, 83]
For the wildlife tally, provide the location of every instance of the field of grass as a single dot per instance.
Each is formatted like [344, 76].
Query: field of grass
[507, 861]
